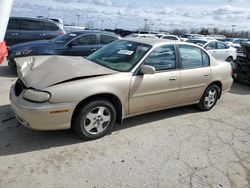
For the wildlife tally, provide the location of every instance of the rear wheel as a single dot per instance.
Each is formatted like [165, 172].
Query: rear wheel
[209, 98]
[94, 119]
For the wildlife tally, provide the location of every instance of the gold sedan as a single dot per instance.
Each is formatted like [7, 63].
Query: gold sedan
[125, 78]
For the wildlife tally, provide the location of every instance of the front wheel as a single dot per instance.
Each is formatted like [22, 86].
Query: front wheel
[209, 98]
[94, 119]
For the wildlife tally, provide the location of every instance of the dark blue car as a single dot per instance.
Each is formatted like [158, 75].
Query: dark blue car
[81, 43]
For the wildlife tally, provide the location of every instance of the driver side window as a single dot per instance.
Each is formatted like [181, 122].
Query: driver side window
[162, 58]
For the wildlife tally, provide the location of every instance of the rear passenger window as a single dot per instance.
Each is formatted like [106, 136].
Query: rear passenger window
[211, 45]
[162, 58]
[105, 39]
[50, 26]
[193, 57]
[222, 46]
[13, 24]
[31, 25]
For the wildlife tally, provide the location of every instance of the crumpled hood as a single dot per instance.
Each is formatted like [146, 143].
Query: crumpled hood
[43, 71]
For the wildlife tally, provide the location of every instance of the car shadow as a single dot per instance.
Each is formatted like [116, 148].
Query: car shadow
[15, 139]
[240, 88]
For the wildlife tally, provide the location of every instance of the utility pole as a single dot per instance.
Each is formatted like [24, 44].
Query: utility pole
[78, 19]
[145, 26]
[233, 27]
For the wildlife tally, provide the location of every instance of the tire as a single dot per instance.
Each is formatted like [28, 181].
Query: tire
[12, 66]
[94, 119]
[209, 98]
[229, 59]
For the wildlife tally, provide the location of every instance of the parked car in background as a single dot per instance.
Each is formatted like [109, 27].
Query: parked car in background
[190, 36]
[81, 43]
[170, 37]
[125, 78]
[69, 28]
[236, 43]
[21, 29]
[218, 49]
[135, 35]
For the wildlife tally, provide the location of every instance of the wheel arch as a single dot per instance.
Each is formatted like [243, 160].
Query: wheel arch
[107, 96]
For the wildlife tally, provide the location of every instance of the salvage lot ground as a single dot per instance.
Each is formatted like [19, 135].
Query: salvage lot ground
[182, 147]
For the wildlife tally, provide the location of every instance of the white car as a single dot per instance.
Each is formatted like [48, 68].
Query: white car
[219, 50]
[236, 43]
[170, 37]
[190, 36]
[135, 35]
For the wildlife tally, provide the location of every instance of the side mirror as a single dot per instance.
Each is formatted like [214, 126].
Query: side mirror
[147, 69]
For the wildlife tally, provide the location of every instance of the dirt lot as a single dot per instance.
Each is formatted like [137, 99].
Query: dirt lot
[176, 148]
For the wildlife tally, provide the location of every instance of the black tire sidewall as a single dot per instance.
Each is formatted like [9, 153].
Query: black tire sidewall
[84, 110]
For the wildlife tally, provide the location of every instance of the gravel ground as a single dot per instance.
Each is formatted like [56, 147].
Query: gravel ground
[175, 148]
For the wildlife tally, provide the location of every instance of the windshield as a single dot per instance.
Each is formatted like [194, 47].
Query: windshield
[65, 38]
[120, 55]
[199, 42]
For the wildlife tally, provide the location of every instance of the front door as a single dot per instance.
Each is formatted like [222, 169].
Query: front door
[155, 91]
[82, 46]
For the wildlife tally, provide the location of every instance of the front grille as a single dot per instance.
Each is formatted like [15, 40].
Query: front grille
[19, 87]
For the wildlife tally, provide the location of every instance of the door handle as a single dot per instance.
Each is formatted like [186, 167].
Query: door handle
[14, 34]
[173, 78]
[42, 34]
[206, 75]
[93, 50]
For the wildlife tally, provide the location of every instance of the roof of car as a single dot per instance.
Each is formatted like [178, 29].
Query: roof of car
[36, 19]
[93, 31]
[155, 41]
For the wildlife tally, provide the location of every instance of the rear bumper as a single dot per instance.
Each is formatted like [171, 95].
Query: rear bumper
[226, 85]
[41, 116]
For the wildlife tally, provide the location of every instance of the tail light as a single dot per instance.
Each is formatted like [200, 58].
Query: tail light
[61, 32]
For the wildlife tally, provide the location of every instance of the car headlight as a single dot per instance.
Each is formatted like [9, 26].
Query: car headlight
[36, 95]
[20, 53]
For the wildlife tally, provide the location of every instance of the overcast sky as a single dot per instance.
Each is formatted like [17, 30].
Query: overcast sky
[130, 14]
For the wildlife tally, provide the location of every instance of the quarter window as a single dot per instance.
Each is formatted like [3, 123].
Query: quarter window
[162, 58]
[192, 57]
[105, 39]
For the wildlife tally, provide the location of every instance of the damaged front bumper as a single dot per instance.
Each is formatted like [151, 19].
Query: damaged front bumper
[41, 116]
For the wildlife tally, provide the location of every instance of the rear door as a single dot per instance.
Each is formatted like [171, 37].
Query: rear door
[211, 47]
[30, 30]
[222, 51]
[195, 73]
[12, 33]
[83, 45]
